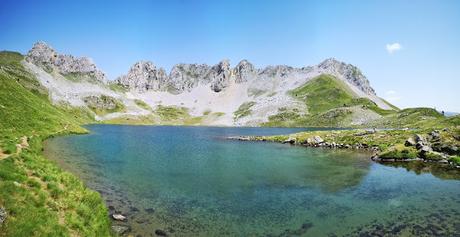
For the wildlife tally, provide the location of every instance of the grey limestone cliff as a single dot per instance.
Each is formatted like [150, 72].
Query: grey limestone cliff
[46, 57]
[349, 72]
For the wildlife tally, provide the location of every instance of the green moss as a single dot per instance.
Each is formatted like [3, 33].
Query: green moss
[117, 87]
[399, 152]
[323, 93]
[256, 92]
[132, 120]
[455, 159]
[244, 110]
[143, 105]
[433, 156]
[170, 113]
[329, 102]
[415, 118]
[103, 104]
[78, 77]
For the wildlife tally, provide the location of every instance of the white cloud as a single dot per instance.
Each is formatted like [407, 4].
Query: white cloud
[391, 48]
[392, 96]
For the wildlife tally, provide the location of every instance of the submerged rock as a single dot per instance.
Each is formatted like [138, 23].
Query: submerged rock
[149, 210]
[119, 217]
[161, 232]
[121, 229]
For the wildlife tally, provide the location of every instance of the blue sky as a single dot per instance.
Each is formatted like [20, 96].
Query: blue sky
[425, 71]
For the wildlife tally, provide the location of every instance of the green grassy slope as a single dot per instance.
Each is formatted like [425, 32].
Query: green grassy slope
[330, 102]
[413, 118]
[40, 198]
[324, 93]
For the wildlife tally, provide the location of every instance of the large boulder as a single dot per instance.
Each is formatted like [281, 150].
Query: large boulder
[410, 142]
[317, 140]
[419, 139]
[435, 136]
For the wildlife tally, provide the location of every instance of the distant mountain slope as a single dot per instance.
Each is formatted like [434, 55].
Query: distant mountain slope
[208, 95]
[330, 102]
[21, 96]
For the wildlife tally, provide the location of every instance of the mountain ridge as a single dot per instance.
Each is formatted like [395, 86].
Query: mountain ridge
[199, 89]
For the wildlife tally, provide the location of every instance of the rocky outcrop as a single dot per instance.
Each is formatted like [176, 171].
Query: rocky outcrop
[185, 77]
[281, 71]
[244, 71]
[349, 72]
[46, 57]
[220, 76]
[144, 76]
[102, 102]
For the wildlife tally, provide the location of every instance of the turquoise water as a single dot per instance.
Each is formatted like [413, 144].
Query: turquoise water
[190, 181]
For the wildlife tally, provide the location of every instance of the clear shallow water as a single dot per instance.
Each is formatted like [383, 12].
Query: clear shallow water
[189, 181]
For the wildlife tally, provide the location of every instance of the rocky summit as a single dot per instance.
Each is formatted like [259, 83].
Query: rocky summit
[144, 76]
[220, 94]
[46, 57]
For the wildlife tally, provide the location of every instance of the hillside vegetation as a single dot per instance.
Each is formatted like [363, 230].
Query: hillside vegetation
[39, 198]
[330, 102]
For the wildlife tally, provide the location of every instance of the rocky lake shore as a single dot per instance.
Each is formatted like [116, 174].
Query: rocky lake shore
[437, 146]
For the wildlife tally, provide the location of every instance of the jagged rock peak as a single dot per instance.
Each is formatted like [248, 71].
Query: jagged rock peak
[144, 76]
[220, 75]
[184, 77]
[244, 71]
[41, 54]
[46, 57]
[349, 72]
[278, 71]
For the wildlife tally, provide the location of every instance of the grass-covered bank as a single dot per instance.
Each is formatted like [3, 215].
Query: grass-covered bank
[38, 197]
[42, 200]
